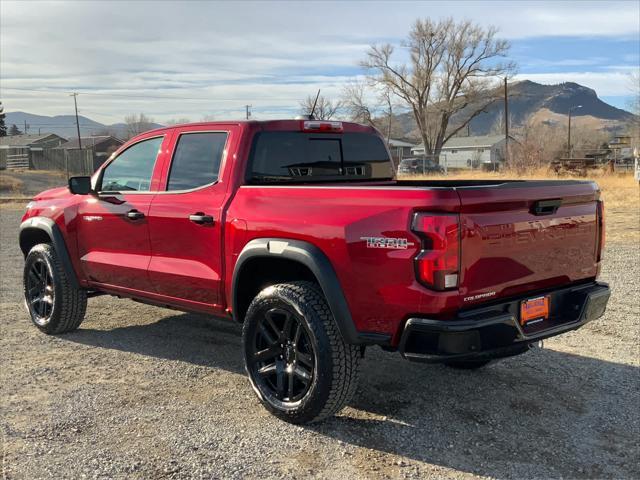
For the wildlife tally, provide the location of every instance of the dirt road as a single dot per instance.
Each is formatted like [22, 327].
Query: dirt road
[142, 392]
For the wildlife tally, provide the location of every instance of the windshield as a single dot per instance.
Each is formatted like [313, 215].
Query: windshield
[297, 157]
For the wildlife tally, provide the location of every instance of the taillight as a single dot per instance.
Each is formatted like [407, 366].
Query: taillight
[321, 126]
[601, 229]
[438, 263]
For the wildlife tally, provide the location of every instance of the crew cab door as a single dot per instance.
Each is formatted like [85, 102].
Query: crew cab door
[113, 226]
[186, 222]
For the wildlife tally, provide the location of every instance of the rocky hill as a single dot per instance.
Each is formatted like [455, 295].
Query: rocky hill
[530, 101]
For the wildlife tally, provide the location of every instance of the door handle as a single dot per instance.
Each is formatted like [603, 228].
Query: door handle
[201, 219]
[135, 214]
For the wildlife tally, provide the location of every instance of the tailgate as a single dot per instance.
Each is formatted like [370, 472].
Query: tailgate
[526, 236]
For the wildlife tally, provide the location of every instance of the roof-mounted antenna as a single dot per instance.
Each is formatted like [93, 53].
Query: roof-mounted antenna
[313, 109]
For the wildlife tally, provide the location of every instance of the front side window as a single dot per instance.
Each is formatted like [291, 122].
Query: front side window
[133, 168]
[196, 161]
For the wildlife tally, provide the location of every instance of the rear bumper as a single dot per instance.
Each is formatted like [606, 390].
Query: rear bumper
[494, 331]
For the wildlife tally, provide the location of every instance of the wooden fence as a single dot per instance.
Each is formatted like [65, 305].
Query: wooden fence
[74, 162]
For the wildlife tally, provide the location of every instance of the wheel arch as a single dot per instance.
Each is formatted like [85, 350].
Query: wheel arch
[290, 257]
[37, 230]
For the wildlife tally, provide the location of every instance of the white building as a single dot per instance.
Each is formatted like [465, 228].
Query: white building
[471, 152]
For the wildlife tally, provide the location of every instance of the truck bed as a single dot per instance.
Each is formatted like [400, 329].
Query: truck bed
[506, 246]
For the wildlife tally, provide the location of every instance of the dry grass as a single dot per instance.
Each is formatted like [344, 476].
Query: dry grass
[620, 193]
[51, 173]
[10, 185]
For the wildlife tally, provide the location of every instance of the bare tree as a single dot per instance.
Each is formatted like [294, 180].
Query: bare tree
[356, 103]
[363, 104]
[537, 146]
[325, 108]
[498, 124]
[448, 79]
[3, 127]
[388, 118]
[633, 128]
[136, 124]
[177, 121]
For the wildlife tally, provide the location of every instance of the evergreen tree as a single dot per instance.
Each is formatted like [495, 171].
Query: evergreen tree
[14, 130]
[3, 127]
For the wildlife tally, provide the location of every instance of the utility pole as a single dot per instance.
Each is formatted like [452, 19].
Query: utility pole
[569, 149]
[248, 112]
[75, 103]
[506, 122]
[26, 127]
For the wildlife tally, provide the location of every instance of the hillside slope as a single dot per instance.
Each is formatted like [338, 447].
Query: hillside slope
[543, 103]
[64, 125]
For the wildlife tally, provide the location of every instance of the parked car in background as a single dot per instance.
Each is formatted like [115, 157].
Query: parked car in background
[419, 166]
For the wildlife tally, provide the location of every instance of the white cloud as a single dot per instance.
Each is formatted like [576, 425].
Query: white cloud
[223, 55]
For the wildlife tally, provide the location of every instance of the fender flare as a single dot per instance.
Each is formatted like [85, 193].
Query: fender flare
[317, 262]
[48, 226]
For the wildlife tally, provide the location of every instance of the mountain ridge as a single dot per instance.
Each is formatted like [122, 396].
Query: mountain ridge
[527, 100]
[65, 125]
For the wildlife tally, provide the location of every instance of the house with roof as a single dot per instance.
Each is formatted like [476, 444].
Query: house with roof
[31, 140]
[16, 150]
[487, 151]
[400, 149]
[102, 145]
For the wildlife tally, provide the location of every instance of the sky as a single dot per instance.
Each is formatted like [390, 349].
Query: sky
[197, 59]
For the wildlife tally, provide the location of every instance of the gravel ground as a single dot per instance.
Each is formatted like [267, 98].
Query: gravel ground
[34, 181]
[143, 392]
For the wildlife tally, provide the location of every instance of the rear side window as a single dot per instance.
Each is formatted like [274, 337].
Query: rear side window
[196, 161]
[296, 157]
[132, 169]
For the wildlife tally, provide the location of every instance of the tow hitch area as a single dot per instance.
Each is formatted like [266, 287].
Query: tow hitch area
[499, 330]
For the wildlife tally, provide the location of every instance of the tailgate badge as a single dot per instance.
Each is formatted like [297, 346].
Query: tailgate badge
[480, 296]
[384, 242]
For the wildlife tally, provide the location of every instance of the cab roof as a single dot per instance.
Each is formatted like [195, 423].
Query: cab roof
[281, 125]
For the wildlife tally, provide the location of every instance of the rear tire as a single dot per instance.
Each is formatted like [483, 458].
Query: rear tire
[298, 363]
[54, 305]
[467, 364]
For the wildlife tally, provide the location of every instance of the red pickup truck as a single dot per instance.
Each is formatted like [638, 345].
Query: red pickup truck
[298, 230]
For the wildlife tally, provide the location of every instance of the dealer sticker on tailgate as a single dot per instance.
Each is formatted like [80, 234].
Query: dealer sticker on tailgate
[534, 310]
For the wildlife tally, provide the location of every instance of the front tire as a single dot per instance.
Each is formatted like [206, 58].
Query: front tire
[54, 305]
[297, 361]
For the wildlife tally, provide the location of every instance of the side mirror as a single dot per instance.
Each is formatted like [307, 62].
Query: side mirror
[80, 185]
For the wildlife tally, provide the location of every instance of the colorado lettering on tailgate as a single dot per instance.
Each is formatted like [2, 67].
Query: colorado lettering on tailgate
[537, 231]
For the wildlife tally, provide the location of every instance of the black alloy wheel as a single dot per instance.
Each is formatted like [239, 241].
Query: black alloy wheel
[298, 362]
[40, 292]
[54, 304]
[281, 356]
